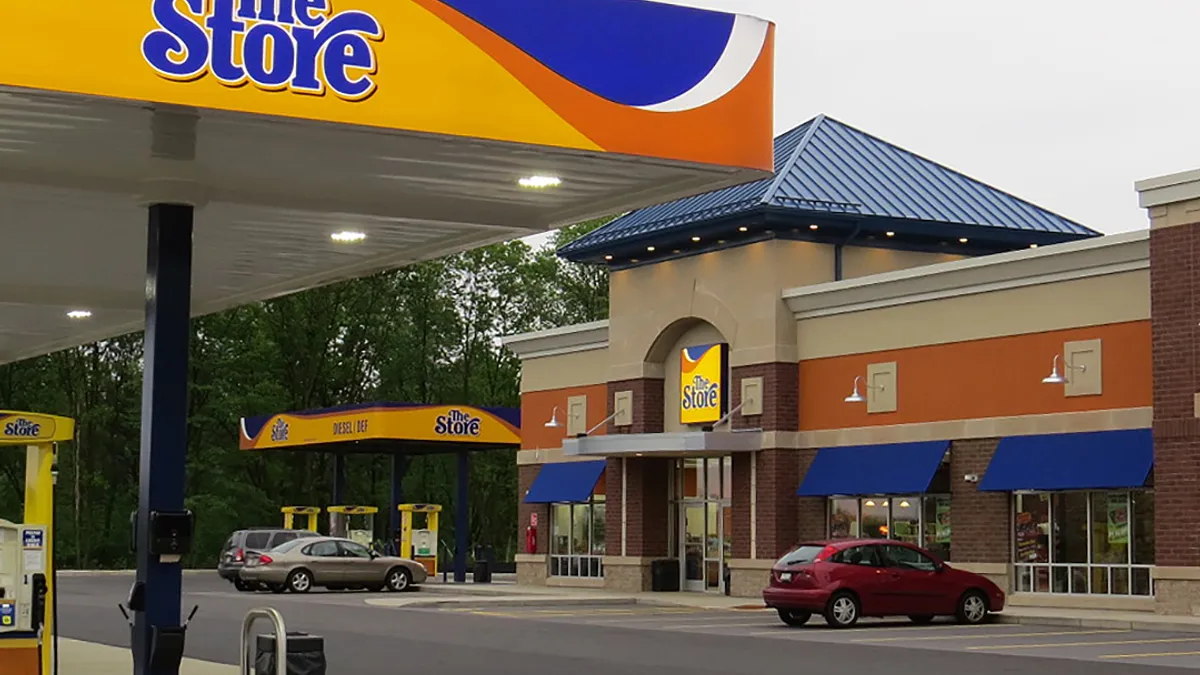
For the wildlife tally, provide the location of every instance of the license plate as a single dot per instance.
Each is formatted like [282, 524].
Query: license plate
[785, 576]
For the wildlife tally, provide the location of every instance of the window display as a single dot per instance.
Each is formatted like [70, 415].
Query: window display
[923, 520]
[1098, 542]
[577, 539]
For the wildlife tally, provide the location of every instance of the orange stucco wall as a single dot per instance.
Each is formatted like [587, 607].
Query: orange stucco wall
[537, 406]
[996, 377]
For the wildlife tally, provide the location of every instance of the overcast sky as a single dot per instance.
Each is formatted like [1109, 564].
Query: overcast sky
[1064, 103]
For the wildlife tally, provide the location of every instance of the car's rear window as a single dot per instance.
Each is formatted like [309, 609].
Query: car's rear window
[257, 540]
[800, 555]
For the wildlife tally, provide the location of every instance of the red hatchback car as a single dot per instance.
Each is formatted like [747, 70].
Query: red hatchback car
[847, 579]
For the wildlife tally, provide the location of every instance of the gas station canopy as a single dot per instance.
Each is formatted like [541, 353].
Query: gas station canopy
[386, 428]
[410, 129]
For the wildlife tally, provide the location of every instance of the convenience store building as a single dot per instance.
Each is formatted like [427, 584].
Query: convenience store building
[871, 344]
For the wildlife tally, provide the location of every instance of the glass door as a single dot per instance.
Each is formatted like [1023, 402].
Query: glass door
[693, 554]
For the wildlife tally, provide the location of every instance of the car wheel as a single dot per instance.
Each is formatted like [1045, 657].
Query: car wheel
[842, 610]
[921, 619]
[300, 581]
[398, 579]
[276, 588]
[376, 588]
[972, 608]
[243, 586]
[794, 617]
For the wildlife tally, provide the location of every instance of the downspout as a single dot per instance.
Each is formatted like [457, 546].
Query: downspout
[837, 252]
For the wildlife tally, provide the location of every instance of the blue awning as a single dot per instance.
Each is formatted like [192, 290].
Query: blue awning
[895, 468]
[565, 482]
[1080, 461]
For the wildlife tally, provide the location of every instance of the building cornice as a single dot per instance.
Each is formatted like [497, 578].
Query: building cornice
[1100, 256]
[584, 337]
[1162, 190]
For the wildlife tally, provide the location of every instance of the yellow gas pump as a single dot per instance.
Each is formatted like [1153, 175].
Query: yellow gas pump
[421, 544]
[290, 513]
[356, 523]
[26, 549]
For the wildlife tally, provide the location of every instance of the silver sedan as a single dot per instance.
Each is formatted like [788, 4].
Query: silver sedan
[333, 563]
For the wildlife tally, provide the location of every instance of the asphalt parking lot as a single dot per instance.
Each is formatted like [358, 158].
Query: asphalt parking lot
[1088, 644]
[364, 639]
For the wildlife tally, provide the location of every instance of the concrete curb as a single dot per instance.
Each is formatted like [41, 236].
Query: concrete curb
[1165, 625]
[117, 573]
[492, 601]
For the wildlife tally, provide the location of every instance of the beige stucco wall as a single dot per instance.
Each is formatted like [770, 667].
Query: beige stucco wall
[576, 369]
[1073, 303]
[861, 262]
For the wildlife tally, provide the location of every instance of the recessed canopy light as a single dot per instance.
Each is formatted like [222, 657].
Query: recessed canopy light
[79, 314]
[720, 241]
[962, 240]
[348, 237]
[608, 257]
[743, 229]
[891, 234]
[695, 238]
[676, 251]
[813, 227]
[1033, 246]
[633, 260]
[540, 181]
[650, 248]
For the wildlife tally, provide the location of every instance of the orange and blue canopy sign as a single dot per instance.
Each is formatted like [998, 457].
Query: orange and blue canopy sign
[401, 422]
[621, 76]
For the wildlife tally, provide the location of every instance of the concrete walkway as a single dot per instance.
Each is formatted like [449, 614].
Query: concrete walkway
[89, 658]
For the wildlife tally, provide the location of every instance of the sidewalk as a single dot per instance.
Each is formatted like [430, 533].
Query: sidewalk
[89, 658]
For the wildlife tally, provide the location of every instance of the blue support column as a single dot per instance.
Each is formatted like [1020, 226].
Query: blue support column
[339, 479]
[462, 526]
[399, 465]
[164, 415]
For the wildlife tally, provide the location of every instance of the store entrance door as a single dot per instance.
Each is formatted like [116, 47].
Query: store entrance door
[704, 540]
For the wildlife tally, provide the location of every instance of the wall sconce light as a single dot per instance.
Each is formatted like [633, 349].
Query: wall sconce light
[1054, 377]
[856, 397]
[554, 423]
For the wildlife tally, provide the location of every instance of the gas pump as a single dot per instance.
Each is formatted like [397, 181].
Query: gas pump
[290, 513]
[28, 627]
[356, 523]
[420, 544]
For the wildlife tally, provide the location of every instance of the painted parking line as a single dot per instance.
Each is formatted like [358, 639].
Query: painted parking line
[814, 628]
[989, 636]
[1096, 643]
[1152, 655]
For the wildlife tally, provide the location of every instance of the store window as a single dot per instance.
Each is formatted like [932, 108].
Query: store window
[923, 520]
[1097, 542]
[577, 539]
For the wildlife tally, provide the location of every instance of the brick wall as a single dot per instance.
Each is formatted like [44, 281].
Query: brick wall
[1174, 282]
[648, 405]
[612, 507]
[777, 507]
[979, 521]
[526, 474]
[781, 397]
[647, 500]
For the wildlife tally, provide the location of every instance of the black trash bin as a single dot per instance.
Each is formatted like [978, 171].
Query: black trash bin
[664, 575]
[483, 565]
[306, 654]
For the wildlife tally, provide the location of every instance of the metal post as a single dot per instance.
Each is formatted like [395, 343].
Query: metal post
[164, 414]
[280, 640]
[339, 478]
[399, 464]
[462, 528]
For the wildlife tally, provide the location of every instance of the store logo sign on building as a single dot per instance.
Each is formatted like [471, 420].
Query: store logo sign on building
[457, 423]
[301, 46]
[702, 371]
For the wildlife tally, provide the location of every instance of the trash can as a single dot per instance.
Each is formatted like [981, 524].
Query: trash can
[483, 565]
[664, 575]
[306, 654]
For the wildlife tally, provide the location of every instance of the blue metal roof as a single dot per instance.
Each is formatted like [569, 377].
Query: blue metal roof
[830, 169]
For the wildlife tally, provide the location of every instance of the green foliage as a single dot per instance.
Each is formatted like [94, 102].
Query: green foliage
[428, 333]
